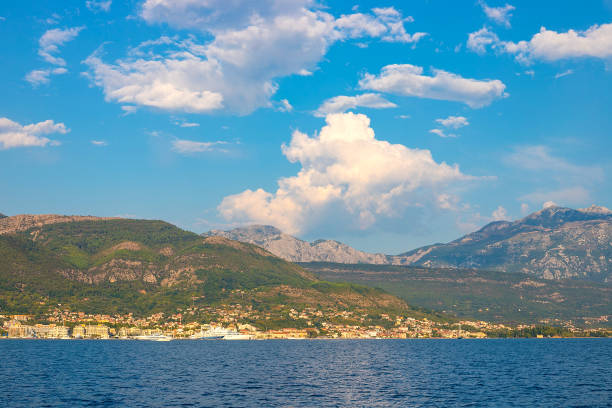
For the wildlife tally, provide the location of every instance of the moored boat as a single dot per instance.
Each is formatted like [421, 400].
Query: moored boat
[220, 333]
[154, 337]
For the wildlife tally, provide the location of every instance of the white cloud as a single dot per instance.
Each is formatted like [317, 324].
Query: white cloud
[189, 146]
[564, 73]
[129, 109]
[549, 204]
[441, 133]
[349, 179]
[408, 80]
[454, 122]
[285, 106]
[501, 15]
[549, 45]
[386, 23]
[184, 124]
[252, 44]
[478, 41]
[567, 182]
[54, 19]
[12, 134]
[205, 15]
[99, 5]
[570, 196]
[52, 39]
[539, 158]
[179, 84]
[41, 76]
[342, 103]
[99, 143]
[500, 214]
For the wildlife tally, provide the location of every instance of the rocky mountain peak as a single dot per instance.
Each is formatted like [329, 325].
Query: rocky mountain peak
[296, 250]
[553, 216]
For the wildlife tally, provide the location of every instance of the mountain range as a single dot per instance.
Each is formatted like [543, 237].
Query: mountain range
[553, 243]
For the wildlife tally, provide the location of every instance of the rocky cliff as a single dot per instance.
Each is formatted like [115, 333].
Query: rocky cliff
[296, 250]
[25, 222]
[554, 243]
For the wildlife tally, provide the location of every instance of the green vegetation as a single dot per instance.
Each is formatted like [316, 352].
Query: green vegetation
[482, 295]
[145, 267]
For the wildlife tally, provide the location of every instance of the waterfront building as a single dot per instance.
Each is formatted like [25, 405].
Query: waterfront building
[18, 330]
[97, 332]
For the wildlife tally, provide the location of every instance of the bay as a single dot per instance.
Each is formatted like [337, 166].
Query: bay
[292, 373]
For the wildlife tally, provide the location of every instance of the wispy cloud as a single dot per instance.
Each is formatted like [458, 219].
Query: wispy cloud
[500, 15]
[285, 106]
[342, 103]
[184, 124]
[42, 76]
[540, 158]
[52, 39]
[454, 122]
[564, 73]
[99, 5]
[576, 195]
[183, 146]
[441, 133]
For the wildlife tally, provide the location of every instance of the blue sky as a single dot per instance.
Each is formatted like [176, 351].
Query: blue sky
[385, 125]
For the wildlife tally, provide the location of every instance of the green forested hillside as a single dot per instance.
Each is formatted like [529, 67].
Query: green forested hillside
[143, 267]
[486, 295]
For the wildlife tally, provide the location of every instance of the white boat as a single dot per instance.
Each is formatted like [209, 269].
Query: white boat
[237, 336]
[220, 333]
[154, 337]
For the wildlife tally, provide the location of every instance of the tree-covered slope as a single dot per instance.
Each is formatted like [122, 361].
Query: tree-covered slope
[477, 294]
[141, 266]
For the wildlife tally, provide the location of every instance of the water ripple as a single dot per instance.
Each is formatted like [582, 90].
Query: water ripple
[432, 373]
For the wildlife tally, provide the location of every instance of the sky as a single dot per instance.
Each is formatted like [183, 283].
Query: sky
[386, 125]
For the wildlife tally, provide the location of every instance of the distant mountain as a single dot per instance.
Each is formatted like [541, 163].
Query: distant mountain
[101, 265]
[2, 215]
[295, 250]
[554, 243]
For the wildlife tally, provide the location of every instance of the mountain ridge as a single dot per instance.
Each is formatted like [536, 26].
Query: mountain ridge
[564, 242]
[294, 249]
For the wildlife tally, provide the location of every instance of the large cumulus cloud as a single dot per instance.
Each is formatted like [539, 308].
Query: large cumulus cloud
[348, 176]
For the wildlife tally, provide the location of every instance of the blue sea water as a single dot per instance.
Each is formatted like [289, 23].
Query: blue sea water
[314, 373]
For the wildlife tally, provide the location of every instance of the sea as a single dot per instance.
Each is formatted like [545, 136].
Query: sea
[307, 373]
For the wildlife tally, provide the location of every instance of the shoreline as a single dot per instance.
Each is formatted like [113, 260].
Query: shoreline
[306, 339]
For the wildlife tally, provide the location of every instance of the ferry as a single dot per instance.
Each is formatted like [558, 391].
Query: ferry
[220, 333]
[154, 337]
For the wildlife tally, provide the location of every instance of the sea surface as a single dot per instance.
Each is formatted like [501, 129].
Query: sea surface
[314, 373]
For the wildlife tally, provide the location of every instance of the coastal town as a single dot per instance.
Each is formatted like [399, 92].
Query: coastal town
[243, 322]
